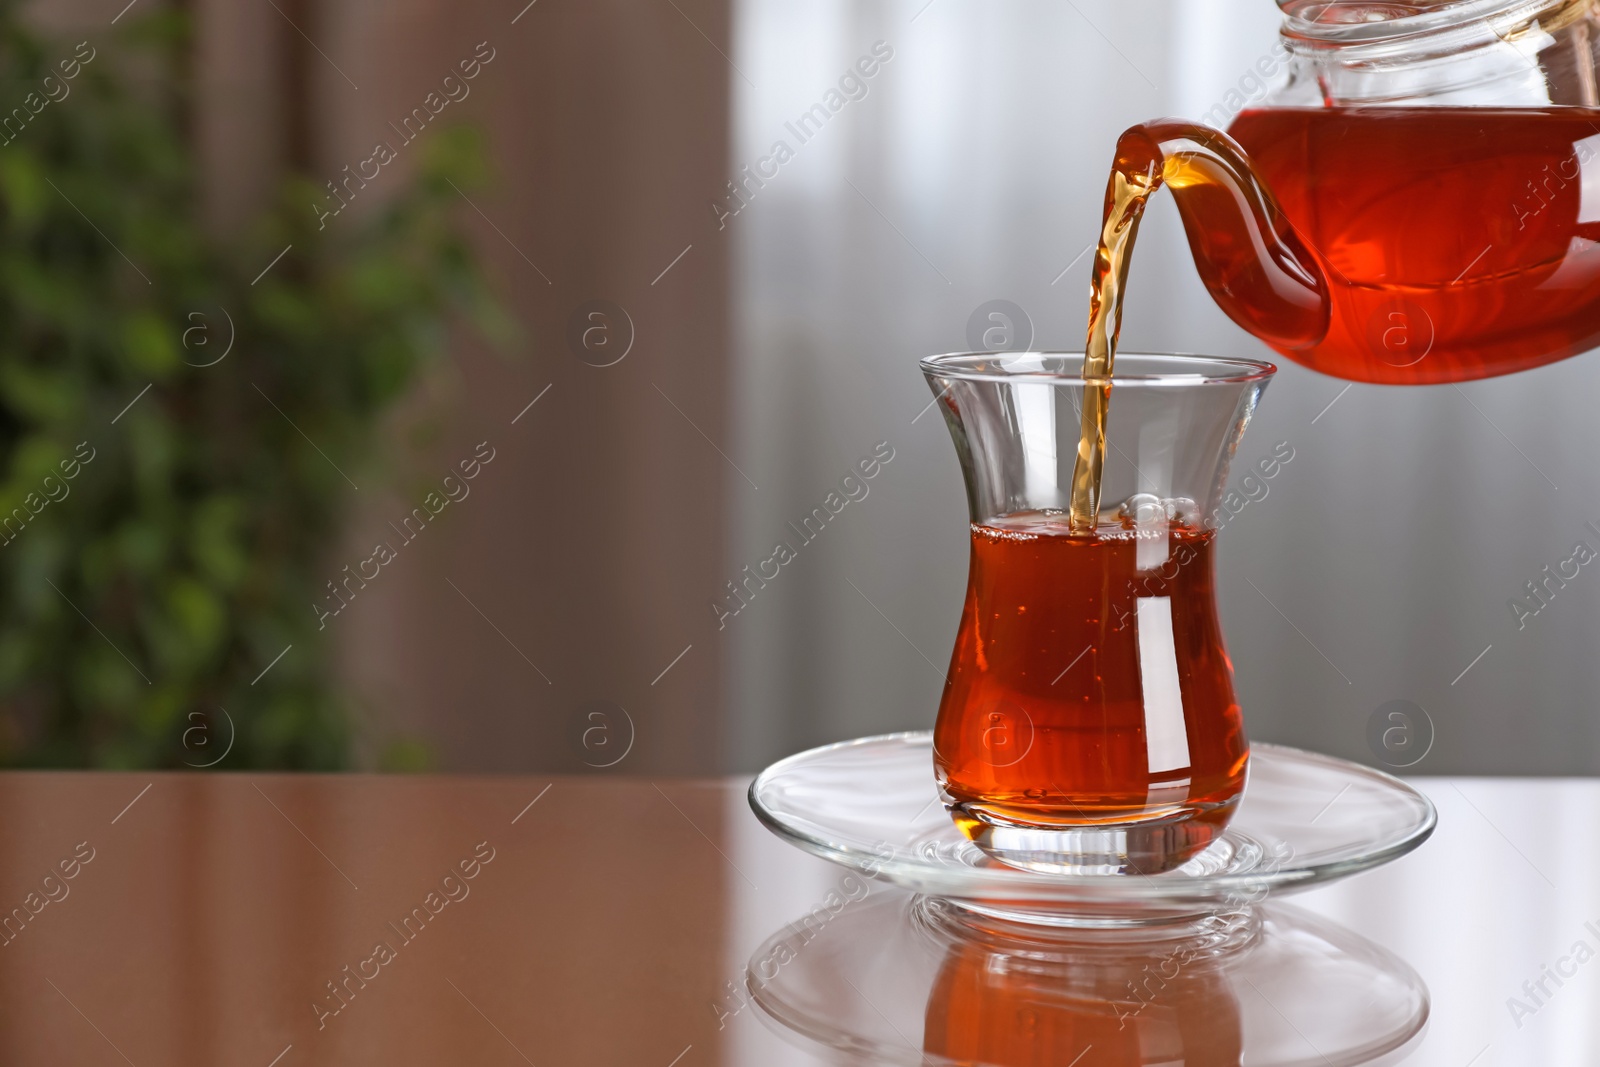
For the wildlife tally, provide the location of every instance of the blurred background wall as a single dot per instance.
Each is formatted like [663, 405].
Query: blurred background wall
[763, 338]
[534, 630]
[537, 631]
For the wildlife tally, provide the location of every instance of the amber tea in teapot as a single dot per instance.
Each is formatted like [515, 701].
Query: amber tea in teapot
[1439, 163]
[1393, 245]
[1454, 243]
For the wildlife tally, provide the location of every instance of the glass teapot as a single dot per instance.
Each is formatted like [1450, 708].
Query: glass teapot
[1418, 203]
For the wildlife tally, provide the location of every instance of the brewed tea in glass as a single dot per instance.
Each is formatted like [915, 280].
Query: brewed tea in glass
[1089, 722]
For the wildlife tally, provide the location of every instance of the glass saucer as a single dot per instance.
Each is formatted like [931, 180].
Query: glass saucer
[872, 805]
[896, 979]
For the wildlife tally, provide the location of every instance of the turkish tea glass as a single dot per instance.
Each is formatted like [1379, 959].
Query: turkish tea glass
[1088, 723]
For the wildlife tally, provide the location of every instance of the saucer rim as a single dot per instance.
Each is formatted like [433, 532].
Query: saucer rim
[1015, 884]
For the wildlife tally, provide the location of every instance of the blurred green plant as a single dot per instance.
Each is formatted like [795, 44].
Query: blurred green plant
[154, 588]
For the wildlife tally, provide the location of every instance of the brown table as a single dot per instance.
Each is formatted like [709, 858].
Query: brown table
[208, 919]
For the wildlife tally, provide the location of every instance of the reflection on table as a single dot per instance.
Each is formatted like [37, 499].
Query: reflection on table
[901, 979]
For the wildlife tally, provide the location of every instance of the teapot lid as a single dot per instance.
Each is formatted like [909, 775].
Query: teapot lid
[1359, 10]
[1426, 14]
[1368, 22]
[1468, 52]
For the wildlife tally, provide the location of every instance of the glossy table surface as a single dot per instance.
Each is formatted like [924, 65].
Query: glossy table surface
[279, 921]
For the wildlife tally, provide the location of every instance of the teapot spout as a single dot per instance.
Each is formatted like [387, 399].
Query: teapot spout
[1252, 261]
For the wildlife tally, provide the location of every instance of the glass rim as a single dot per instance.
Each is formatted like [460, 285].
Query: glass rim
[1187, 370]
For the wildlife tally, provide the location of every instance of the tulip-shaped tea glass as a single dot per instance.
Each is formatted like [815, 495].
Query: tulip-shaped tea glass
[1088, 723]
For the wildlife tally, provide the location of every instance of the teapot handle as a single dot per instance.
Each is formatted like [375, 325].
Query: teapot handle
[1254, 263]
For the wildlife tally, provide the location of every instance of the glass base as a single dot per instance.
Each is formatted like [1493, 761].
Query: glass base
[1207, 935]
[1148, 845]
